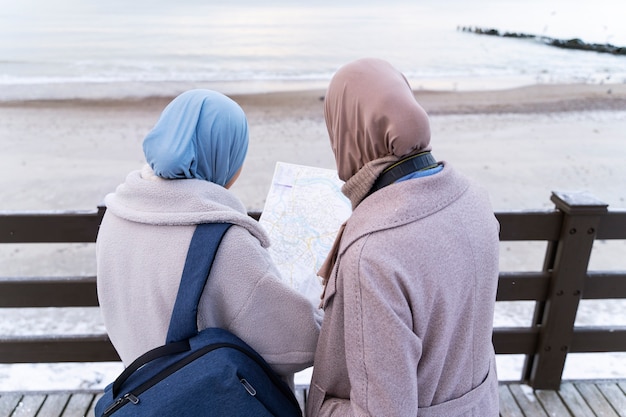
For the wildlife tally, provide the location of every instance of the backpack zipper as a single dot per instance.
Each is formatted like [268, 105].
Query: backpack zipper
[133, 396]
[129, 397]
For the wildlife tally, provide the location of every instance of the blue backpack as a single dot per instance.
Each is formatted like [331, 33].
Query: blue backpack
[195, 374]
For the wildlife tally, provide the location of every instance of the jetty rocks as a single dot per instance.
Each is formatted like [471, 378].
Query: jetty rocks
[575, 43]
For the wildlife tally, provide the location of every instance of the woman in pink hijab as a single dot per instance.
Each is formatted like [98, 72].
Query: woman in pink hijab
[410, 284]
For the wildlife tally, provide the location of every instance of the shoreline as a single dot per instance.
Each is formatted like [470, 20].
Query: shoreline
[535, 98]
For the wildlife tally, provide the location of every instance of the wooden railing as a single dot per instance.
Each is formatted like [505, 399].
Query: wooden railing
[570, 230]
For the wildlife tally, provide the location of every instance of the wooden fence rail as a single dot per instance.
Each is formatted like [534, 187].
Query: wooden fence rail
[570, 229]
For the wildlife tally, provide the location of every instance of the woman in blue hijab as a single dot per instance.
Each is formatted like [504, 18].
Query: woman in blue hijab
[201, 134]
[194, 153]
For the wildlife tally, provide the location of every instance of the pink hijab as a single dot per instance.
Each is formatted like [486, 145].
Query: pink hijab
[373, 121]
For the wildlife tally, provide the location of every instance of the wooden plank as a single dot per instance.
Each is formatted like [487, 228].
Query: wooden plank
[615, 396]
[598, 339]
[61, 348]
[50, 227]
[568, 275]
[604, 284]
[530, 225]
[515, 340]
[54, 404]
[29, 406]
[48, 292]
[580, 203]
[55, 226]
[82, 226]
[527, 402]
[596, 400]
[92, 407]
[8, 403]
[508, 405]
[78, 404]
[574, 401]
[552, 403]
[81, 290]
[613, 225]
[523, 286]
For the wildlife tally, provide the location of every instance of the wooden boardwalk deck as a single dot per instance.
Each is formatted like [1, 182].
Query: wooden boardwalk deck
[606, 398]
[56, 404]
[575, 399]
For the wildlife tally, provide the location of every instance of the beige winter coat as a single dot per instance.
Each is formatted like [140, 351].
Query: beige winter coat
[141, 249]
[409, 306]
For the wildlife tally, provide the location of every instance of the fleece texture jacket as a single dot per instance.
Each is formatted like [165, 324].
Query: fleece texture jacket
[141, 250]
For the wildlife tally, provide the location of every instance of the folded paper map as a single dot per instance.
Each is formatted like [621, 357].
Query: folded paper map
[302, 214]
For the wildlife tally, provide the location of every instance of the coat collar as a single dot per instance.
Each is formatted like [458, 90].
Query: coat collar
[403, 203]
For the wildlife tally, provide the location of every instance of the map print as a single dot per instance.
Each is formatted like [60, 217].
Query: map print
[302, 214]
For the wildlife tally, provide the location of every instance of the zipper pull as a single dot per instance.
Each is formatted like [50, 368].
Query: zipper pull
[131, 397]
[113, 406]
[248, 386]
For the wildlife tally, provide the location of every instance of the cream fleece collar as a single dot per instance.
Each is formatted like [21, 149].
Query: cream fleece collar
[144, 198]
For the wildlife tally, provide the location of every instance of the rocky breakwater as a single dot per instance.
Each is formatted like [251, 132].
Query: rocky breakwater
[574, 43]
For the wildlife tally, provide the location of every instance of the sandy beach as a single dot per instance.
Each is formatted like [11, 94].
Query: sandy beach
[520, 143]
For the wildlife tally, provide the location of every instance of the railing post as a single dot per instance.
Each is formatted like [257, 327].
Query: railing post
[582, 215]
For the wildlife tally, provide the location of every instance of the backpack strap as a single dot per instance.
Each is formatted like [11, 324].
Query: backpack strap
[165, 350]
[204, 243]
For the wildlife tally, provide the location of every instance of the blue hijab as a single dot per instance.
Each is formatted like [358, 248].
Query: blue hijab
[201, 134]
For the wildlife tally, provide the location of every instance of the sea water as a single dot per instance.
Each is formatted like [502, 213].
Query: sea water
[92, 48]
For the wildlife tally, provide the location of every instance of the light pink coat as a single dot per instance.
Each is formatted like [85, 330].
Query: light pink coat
[409, 306]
